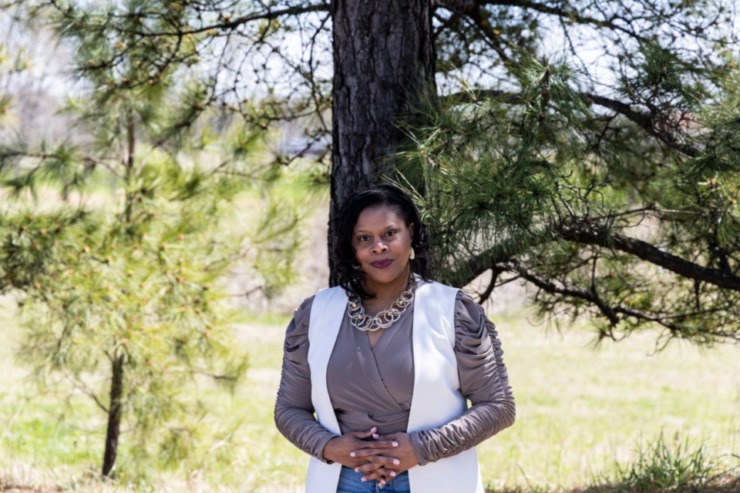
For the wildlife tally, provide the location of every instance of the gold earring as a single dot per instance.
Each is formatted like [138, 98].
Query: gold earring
[413, 254]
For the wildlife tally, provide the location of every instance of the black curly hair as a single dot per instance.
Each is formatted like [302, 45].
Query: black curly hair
[352, 279]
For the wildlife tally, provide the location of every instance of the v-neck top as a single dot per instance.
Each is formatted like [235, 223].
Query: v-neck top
[373, 386]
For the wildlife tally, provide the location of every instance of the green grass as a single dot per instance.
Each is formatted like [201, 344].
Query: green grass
[580, 409]
[664, 464]
[584, 417]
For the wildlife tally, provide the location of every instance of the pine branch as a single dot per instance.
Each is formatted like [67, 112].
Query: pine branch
[485, 295]
[86, 160]
[471, 8]
[650, 253]
[611, 313]
[499, 254]
[550, 287]
[82, 387]
[476, 265]
[477, 16]
[227, 24]
[647, 121]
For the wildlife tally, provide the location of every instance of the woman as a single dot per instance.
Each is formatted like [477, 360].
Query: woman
[387, 361]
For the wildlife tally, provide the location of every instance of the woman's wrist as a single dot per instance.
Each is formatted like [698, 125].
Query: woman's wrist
[327, 451]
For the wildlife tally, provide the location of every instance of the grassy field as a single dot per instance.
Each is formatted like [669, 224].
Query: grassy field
[579, 410]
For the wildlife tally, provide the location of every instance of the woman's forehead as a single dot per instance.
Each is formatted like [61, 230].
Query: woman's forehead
[380, 215]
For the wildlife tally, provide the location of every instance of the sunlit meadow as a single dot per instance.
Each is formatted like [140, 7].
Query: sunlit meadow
[581, 408]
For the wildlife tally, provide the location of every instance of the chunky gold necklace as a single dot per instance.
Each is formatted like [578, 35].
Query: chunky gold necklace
[367, 323]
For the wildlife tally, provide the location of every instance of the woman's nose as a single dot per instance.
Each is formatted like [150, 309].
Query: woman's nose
[380, 246]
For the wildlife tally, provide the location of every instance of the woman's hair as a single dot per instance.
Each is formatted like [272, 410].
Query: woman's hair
[348, 276]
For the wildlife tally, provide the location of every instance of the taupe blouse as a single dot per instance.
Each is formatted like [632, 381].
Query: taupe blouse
[373, 386]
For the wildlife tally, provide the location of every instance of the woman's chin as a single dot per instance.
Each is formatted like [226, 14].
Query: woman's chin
[379, 281]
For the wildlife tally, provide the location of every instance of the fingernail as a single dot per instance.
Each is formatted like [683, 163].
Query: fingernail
[357, 469]
[376, 436]
[363, 480]
[395, 463]
[351, 454]
[393, 474]
[394, 444]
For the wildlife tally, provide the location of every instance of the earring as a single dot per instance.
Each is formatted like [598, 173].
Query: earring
[413, 254]
[357, 266]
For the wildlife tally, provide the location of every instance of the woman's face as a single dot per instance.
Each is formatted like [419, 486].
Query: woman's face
[382, 244]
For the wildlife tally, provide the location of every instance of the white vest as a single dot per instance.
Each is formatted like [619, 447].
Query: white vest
[436, 399]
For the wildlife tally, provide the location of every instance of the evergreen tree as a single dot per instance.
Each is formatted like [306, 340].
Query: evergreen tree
[116, 242]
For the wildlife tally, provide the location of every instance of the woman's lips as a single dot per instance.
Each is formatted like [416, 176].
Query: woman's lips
[381, 264]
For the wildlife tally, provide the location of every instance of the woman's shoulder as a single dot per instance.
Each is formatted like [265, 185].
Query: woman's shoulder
[470, 318]
[296, 334]
[469, 315]
[431, 284]
[303, 311]
[462, 299]
[297, 331]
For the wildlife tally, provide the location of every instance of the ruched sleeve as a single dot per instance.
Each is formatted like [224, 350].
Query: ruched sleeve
[294, 412]
[483, 381]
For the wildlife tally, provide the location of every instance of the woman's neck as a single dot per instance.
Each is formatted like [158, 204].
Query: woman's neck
[385, 295]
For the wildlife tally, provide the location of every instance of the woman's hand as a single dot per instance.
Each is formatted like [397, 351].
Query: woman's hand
[382, 466]
[351, 449]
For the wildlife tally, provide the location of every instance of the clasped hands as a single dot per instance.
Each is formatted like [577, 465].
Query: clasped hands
[383, 457]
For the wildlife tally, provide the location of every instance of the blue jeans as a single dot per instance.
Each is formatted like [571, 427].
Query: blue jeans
[351, 482]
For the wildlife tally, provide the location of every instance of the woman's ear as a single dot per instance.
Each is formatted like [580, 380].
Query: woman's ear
[411, 230]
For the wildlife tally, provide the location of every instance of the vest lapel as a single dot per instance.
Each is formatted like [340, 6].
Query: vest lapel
[327, 311]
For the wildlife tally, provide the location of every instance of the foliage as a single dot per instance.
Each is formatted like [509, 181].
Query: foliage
[153, 300]
[663, 465]
[600, 218]
[116, 243]
[587, 148]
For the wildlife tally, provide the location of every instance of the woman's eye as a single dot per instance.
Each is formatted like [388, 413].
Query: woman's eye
[363, 238]
[392, 232]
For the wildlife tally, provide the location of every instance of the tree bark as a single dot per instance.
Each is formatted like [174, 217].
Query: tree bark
[383, 60]
[114, 417]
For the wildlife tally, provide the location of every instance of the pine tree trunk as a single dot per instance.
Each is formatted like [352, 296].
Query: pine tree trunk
[383, 59]
[114, 417]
